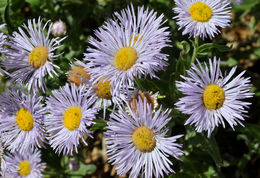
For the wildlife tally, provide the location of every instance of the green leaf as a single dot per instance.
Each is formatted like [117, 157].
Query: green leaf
[7, 18]
[252, 129]
[180, 67]
[83, 170]
[3, 3]
[231, 62]
[64, 161]
[99, 125]
[34, 2]
[207, 47]
[211, 146]
[184, 46]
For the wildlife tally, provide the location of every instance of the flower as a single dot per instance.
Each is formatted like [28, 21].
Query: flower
[149, 96]
[58, 28]
[21, 120]
[137, 142]
[70, 113]
[211, 98]
[3, 50]
[202, 17]
[78, 73]
[26, 165]
[127, 47]
[101, 90]
[2, 39]
[31, 54]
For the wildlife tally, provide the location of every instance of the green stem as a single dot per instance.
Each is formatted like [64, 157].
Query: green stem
[139, 85]
[196, 45]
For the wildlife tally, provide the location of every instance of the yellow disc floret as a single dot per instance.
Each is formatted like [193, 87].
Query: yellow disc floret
[78, 70]
[143, 139]
[213, 97]
[24, 119]
[102, 89]
[38, 56]
[24, 168]
[125, 58]
[72, 117]
[200, 12]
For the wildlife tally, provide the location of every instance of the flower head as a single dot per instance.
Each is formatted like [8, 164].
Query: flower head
[136, 143]
[202, 17]
[70, 113]
[78, 73]
[212, 98]
[21, 120]
[58, 28]
[31, 54]
[2, 39]
[20, 165]
[128, 47]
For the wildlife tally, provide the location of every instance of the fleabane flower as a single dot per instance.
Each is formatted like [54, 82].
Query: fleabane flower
[70, 114]
[31, 54]
[78, 73]
[100, 90]
[202, 18]
[127, 47]
[3, 49]
[19, 165]
[211, 98]
[151, 98]
[136, 143]
[2, 40]
[21, 120]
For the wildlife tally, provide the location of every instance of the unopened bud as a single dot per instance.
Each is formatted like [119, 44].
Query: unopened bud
[58, 28]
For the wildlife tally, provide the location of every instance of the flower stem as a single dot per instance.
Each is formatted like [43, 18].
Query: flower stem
[195, 49]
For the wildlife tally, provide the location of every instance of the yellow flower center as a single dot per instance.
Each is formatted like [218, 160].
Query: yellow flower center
[125, 58]
[24, 168]
[24, 120]
[72, 117]
[200, 12]
[38, 56]
[102, 89]
[213, 97]
[78, 70]
[143, 139]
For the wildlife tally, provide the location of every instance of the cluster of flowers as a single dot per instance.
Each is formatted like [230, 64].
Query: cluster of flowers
[125, 48]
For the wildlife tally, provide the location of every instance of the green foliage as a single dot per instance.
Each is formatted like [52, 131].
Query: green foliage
[217, 156]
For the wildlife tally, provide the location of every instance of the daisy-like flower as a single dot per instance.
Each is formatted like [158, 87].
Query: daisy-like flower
[212, 98]
[128, 47]
[2, 43]
[149, 96]
[2, 39]
[31, 54]
[78, 73]
[70, 113]
[136, 143]
[202, 17]
[102, 91]
[21, 120]
[26, 165]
